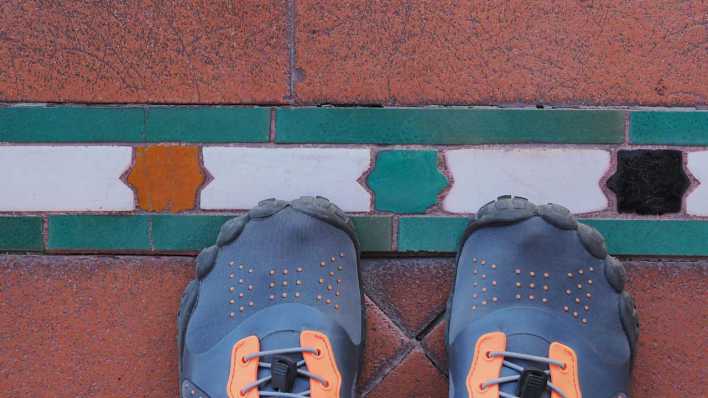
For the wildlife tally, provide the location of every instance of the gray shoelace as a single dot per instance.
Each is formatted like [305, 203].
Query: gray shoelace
[510, 365]
[264, 380]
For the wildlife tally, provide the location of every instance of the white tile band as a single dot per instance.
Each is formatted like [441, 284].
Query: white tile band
[697, 201]
[569, 177]
[64, 178]
[245, 176]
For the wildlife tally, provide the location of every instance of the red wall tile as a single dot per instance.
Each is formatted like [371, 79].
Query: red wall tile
[144, 51]
[492, 52]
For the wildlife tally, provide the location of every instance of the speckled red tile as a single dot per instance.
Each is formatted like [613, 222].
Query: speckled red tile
[415, 377]
[104, 326]
[673, 309]
[384, 343]
[144, 51]
[493, 52]
[80, 326]
[412, 292]
[434, 345]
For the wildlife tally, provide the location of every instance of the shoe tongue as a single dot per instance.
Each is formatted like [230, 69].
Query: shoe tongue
[280, 340]
[524, 344]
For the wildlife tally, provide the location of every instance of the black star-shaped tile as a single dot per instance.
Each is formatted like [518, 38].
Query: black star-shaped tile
[649, 181]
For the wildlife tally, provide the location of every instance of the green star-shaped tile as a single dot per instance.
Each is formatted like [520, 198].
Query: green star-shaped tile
[406, 181]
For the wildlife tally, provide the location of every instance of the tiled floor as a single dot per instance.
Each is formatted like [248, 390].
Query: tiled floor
[104, 326]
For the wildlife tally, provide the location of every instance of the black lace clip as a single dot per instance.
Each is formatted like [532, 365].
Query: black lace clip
[283, 371]
[532, 383]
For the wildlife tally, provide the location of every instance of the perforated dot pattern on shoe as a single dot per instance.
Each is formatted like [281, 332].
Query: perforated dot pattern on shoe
[284, 284]
[533, 287]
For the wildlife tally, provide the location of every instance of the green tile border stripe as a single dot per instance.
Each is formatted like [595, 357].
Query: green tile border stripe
[21, 234]
[374, 233]
[71, 124]
[624, 237]
[134, 124]
[437, 234]
[207, 124]
[651, 237]
[186, 233]
[669, 127]
[190, 233]
[456, 125]
[164, 233]
[339, 125]
[98, 233]
[430, 234]
[195, 232]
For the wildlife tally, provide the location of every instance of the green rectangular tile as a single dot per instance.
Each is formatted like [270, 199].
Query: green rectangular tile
[71, 124]
[415, 234]
[190, 233]
[185, 233]
[374, 233]
[207, 124]
[669, 128]
[430, 234]
[624, 237]
[447, 126]
[98, 232]
[21, 234]
[654, 237]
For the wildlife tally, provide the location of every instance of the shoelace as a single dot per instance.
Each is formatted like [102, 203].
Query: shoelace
[520, 369]
[301, 372]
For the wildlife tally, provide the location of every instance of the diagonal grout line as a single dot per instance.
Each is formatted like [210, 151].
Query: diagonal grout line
[425, 331]
[385, 370]
[432, 360]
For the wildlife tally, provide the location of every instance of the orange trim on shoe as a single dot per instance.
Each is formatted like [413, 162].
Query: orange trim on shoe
[243, 372]
[322, 364]
[566, 379]
[484, 367]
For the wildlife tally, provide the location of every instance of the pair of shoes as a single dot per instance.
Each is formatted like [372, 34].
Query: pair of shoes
[538, 308]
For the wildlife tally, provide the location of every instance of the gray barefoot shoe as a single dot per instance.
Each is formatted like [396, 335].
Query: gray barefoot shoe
[276, 308]
[538, 308]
